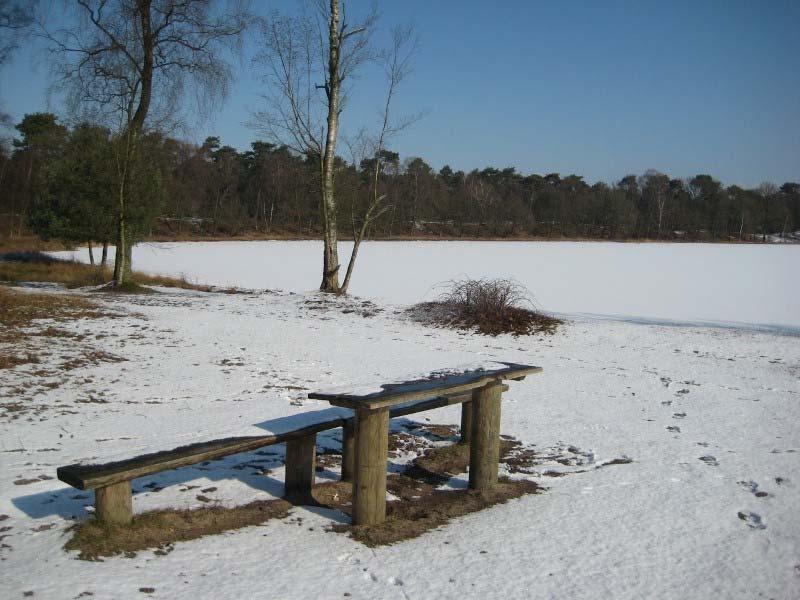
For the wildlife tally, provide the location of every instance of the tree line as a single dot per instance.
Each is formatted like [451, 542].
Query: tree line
[59, 183]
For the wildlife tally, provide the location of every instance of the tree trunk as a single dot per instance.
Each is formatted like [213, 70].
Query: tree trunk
[128, 265]
[104, 256]
[330, 255]
[120, 254]
[352, 262]
[91, 253]
[122, 257]
[660, 216]
[271, 212]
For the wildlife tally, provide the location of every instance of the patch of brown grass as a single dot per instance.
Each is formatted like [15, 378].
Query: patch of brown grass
[161, 528]
[41, 268]
[411, 518]
[174, 282]
[70, 274]
[421, 506]
[9, 361]
[19, 309]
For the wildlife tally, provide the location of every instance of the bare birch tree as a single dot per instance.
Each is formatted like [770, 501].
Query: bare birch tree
[128, 64]
[308, 61]
[396, 62]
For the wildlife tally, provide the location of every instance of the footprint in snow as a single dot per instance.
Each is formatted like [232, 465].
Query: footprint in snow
[710, 460]
[752, 487]
[680, 415]
[752, 519]
[673, 428]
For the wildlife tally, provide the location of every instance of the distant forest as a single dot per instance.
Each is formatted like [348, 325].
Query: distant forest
[58, 182]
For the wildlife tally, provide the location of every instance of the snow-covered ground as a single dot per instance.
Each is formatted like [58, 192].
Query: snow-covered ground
[707, 509]
[740, 283]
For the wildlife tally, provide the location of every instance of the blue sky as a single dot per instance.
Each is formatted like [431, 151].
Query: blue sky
[597, 88]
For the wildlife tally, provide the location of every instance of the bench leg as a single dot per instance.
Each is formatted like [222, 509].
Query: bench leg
[466, 422]
[348, 450]
[484, 450]
[113, 504]
[372, 452]
[301, 456]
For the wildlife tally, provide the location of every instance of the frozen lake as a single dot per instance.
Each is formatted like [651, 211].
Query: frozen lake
[703, 283]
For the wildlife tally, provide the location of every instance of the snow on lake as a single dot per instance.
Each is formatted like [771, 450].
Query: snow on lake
[752, 284]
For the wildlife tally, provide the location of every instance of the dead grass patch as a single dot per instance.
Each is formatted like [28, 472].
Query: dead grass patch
[11, 360]
[161, 528]
[37, 267]
[19, 310]
[419, 513]
[91, 357]
[421, 506]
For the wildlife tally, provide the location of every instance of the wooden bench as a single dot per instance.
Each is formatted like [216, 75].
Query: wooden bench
[361, 459]
[478, 387]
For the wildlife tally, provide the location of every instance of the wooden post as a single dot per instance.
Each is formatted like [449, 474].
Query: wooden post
[466, 422]
[372, 452]
[113, 504]
[484, 449]
[301, 455]
[348, 449]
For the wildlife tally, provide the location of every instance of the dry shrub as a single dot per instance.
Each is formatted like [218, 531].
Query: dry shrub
[492, 306]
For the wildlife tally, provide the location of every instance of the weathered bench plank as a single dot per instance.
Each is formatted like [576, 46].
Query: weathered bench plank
[87, 477]
[445, 383]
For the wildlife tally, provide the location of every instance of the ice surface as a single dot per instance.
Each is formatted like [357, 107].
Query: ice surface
[744, 283]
